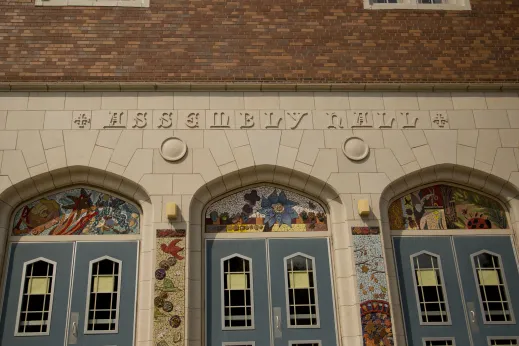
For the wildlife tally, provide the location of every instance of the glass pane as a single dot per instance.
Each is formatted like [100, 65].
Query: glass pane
[439, 343]
[301, 291]
[492, 288]
[499, 342]
[237, 303]
[103, 309]
[429, 288]
[34, 303]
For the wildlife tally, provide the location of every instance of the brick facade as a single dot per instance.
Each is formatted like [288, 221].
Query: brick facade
[251, 41]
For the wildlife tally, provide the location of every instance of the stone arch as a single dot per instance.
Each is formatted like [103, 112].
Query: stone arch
[504, 191]
[275, 175]
[14, 195]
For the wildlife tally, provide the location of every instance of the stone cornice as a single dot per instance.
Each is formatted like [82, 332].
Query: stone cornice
[178, 86]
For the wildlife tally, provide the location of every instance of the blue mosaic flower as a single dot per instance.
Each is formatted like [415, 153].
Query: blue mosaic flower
[277, 209]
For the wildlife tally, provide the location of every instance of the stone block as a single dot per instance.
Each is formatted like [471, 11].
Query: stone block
[491, 119]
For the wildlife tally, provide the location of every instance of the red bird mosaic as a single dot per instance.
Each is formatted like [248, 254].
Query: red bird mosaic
[173, 249]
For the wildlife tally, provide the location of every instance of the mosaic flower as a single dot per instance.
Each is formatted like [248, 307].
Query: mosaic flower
[277, 208]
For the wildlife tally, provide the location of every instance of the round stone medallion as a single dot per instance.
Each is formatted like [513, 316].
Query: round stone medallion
[355, 148]
[173, 149]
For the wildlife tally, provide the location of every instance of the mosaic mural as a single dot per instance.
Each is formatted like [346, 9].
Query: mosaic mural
[169, 319]
[372, 287]
[77, 211]
[446, 207]
[265, 209]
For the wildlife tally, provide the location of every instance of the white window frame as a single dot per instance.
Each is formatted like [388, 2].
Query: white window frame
[93, 3]
[505, 283]
[492, 338]
[458, 5]
[439, 338]
[415, 286]
[233, 343]
[118, 306]
[20, 297]
[222, 292]
[287, 290]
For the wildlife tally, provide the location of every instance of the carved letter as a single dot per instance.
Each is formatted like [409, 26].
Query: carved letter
[408, 124]
[297, 117]
[383, 123]
[192, 120]
[361, 119]
[335, 121]
[270, 125]
[220, 120]
[116, 121]
[166, 120]
[248, 121]
[140, 121]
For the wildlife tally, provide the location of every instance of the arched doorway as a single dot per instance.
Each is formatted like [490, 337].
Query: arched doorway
[456, 267]
[268, 274]
[71, 270]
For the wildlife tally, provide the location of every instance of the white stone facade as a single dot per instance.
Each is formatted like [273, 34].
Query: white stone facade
[234, 139]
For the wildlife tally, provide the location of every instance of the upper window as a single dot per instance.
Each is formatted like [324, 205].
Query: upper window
[446, 207]
[301, 290]
[78, 211]
[491, 287]
[102, 309]
[418, 4]
[429, 289]
[265, 209]
[104, 3]
[35, 302]
[237, 303]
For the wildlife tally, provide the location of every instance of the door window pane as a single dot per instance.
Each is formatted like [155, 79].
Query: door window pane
[301, 291]
[103, 297]
[429, 288]
[35, 302]
[503, 342]
[492, 290]
[237, 292]
[305, 343]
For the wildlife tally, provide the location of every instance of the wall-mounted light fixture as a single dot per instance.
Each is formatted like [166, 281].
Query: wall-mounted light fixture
[171, 211]
[363, 207]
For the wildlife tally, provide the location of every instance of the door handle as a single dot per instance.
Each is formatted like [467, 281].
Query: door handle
[472, 316]
[277, 321]
[74, 329]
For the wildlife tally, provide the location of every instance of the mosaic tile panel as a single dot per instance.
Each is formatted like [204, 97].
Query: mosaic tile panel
[265, 209]
[372, 286]
[77, 211]
[446, 207]
[169, 317]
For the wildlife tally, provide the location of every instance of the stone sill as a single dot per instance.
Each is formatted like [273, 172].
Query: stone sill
[413, 87]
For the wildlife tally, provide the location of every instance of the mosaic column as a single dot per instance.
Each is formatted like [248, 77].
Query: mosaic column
[372, 285]
[169, 319]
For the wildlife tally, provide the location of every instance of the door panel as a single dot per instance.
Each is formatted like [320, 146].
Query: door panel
[423, 316]
[110, 292]
[223, 257]
[61, 254]
[488, 265]
[301, 264]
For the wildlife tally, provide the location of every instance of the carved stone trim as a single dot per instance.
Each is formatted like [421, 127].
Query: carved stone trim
[280, 87]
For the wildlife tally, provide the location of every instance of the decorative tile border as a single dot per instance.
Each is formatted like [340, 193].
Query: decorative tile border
[372, 286]
[168, 316]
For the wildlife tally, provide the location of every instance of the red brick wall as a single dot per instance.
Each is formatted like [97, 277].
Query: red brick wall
[259, 41]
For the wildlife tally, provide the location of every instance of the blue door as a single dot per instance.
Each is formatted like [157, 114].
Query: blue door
[42, 306]
[431, 299]
[237, 293]
[488, 272]
[35, 301]
[302, 295]
[269, 292]
[458, 290]
[103, 297]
